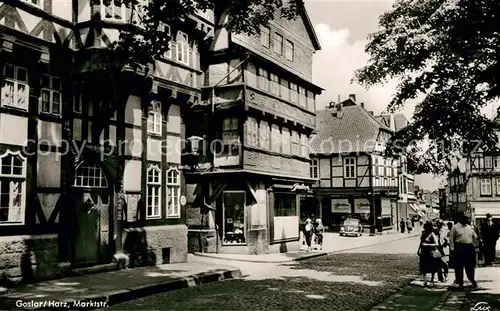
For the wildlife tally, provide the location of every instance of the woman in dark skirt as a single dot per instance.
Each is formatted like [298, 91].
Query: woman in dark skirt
[429, 254]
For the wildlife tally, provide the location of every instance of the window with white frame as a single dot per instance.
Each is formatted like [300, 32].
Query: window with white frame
[289, 50]
[153, 192]
[90, 176]
[381, 168]
[154, 118]
[182, 48]
[293, 92]
[375, 166]
[314, 168]
[386, 182]
[263, 79]
[295, 143]
[15, 91]
[285, 140]
[78, 102]
[37, 3]
[12, 188]
[488, 162]
[278, 44]
[304, 146]
[498, 186]
[230, 131]
[302, 96]
[113, 10]
[166, 29]
[496, 162]
[51, 102]
[350, 167]
[274, 84]
[389, 171]
[265, 36]
[485, 186]
[377, 182]
[173, 193]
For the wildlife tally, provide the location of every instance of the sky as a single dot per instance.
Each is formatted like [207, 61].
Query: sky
[342, 28]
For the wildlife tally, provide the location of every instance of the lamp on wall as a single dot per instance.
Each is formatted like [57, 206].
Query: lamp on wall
[194, 142]
[190, 153]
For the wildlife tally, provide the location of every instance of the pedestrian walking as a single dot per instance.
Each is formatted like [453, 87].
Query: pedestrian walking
[462, 254]
[402, 225]
[442, 234]
[319, 231]
[409, 225]
[429, 254]
[489, 237]
[308, 233]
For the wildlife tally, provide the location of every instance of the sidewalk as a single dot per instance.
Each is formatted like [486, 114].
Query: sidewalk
[104, 289]
[332, 243]
[441, 298]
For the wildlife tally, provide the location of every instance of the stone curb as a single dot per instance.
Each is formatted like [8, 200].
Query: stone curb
[127, 294]
[305, 257]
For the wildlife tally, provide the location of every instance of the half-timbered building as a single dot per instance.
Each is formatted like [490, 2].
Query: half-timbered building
[353, 178]
[254, 159]
[90, 152]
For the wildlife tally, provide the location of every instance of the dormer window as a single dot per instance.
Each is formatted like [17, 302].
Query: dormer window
[37, 3]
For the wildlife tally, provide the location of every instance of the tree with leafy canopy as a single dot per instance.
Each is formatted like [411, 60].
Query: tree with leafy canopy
[445, 53]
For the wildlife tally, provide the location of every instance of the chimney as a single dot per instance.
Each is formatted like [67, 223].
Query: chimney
[339, 110]
[362, 105]
[370, 112]
[352, 97]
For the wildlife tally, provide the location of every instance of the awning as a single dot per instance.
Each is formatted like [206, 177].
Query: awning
[413, 207]
[421, 214]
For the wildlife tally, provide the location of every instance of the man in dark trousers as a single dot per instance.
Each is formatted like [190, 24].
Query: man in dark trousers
[489, 235]
[462, 252]
[402, 225]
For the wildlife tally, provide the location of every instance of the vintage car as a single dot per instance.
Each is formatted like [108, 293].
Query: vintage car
[351, 226]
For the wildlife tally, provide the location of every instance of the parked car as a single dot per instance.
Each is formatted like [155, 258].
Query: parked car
[351, 226]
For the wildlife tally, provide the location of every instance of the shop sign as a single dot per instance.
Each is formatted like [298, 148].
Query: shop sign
[362, 206]
[300, 187]
[341, 206]
[392, 193]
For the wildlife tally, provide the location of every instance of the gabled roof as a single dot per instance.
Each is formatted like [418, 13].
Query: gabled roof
[310, 30]
[355, 131]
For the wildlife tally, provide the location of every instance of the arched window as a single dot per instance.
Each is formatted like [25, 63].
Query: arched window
[173, 193]
[91, 176]
[153, 190]
[12, 188]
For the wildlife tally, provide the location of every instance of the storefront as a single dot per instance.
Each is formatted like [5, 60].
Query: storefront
[341, 209]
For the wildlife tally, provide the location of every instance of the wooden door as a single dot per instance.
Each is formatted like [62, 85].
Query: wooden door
[87, 240]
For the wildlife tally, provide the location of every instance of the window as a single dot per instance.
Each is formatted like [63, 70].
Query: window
[275, 138]
[295, 143]
[381, 169]
[485, 186]
[265, 36]
[498, 187]
[289, 50]
[285, 141]
[496, 162]
[389, 171]
[386, 182]
[230, 133]
[113, 10]
[154, 118]
[394, 182]
[264, 132]
[274, 84]
[173, 193]
[350, 167]
[233, 215]
[34, 2]
[77, 102]
[12, 187]
[15, 91]
[394, 171]
[182, 48]
[302, 97]
[375, 166]
[278, 44]
[285, 205]
[293, 92]
[488, 162]
[153, 192]
[166, 29]
[90, 176]
[304, 146]
[377, 182]
[263, 79]
[51, 95]
[252, 132]
[314, 168]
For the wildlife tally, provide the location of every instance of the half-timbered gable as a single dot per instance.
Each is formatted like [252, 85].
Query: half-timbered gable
[353, 176]
[79, 136]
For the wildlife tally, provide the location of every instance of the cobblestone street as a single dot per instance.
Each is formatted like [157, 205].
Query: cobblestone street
[346, 281]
